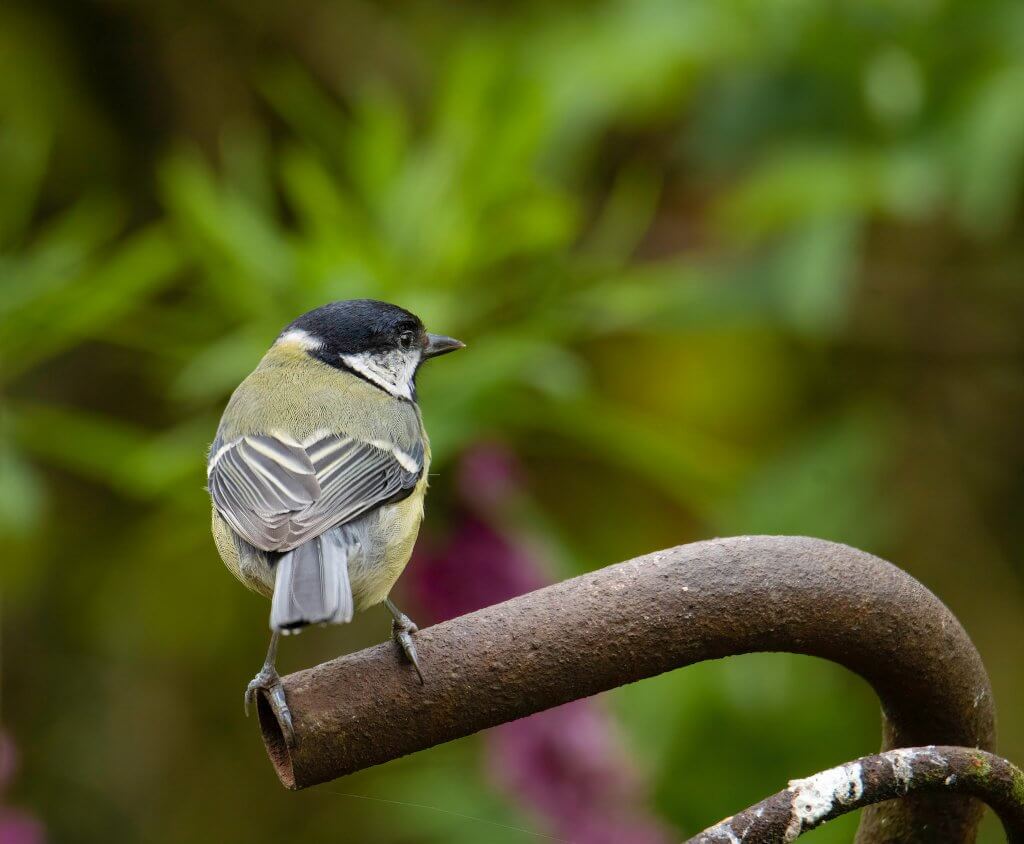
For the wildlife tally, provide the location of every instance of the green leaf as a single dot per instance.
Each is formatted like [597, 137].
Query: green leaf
[142, 265]
[824, 482]
[21, 493]
[125, 457]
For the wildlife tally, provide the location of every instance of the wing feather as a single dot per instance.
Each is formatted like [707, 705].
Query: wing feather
[277, 495]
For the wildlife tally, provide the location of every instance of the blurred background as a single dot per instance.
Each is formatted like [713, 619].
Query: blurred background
[723, 267]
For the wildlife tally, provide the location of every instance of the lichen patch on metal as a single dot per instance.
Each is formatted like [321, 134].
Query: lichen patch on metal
[902, 761]
[807, 803]
[814, 797]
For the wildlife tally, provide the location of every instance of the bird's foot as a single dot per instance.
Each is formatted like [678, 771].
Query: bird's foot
[269, 681]
[402, 629]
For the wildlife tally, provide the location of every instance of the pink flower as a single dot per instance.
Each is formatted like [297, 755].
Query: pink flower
[16, 826]
[476, 568]
[567, 764]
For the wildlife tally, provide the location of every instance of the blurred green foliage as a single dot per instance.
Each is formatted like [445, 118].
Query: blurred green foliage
[722, 266]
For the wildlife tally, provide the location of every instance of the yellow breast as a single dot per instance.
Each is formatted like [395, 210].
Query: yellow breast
[393, 535]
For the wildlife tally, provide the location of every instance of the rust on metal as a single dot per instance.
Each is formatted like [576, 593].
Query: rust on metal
[646, 616]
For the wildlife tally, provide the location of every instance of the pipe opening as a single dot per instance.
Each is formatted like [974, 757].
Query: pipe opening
[273, 738]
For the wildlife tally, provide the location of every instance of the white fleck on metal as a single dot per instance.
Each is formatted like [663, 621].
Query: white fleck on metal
[724, 829]
[814, 797]
[902, 770]
[902, 762]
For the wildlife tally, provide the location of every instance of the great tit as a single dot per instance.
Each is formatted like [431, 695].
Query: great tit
[319, 470]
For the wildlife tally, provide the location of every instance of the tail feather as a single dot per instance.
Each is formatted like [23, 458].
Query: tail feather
[311, 585]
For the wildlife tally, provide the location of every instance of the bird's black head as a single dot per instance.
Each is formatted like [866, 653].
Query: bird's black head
[381, 343]
[357, 326]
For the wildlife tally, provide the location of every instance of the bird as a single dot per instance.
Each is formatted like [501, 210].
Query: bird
[318, 473]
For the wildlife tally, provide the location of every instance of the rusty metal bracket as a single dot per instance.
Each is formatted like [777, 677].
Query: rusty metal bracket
[646, 616]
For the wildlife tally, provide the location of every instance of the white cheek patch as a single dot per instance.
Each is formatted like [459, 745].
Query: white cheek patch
[391, 371]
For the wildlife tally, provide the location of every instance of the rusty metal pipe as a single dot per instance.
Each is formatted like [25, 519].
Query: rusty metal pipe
[641, 618]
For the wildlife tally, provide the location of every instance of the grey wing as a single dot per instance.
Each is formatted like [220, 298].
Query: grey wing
[277, 495]
[258, 484]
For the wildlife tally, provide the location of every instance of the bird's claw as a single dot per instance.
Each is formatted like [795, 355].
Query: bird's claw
[269, 681]
[401, 631]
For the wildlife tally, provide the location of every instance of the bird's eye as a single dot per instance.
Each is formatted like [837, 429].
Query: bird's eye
[405, 339]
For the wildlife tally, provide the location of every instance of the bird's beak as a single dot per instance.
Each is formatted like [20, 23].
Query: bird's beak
[438, 344]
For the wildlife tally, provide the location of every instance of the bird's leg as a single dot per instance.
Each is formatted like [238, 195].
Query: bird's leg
[269, 680]
[402, 628]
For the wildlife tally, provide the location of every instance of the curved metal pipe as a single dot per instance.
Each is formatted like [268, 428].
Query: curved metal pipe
[808, 803]
[644, 617]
